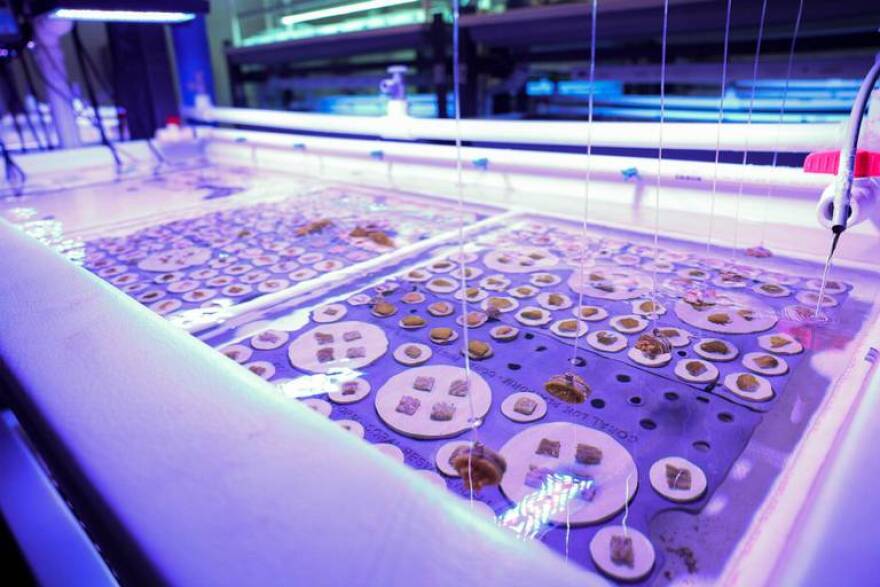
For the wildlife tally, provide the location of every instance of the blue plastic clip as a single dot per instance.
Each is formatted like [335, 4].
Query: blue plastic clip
[630, 173]
[482, 163]
[377, 155]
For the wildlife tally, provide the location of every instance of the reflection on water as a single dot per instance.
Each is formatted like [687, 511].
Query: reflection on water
[310, 385]
[533, 513]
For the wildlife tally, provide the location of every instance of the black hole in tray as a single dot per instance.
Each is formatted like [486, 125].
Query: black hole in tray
[578, 361]
[597, 403]
[648, 424]
[682, 353]
[514, 366]
[701, 446]
[725, 417]
[540, 349]
[528, 336]
[414, 310]
[671, 395]
[635, 401]
[703, 398]
[624, 378]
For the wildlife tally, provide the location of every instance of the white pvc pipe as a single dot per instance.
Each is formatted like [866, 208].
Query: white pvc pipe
[698, 136]
[534, 162]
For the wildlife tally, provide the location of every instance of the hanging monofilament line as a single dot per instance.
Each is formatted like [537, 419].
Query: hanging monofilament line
[585, 242]
[720, 122]
[462, 266]
[751, 109]
[585, 238]
[654, 313]
[777, 140]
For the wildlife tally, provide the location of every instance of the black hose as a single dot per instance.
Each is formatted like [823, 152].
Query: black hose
[90, 89]
[33, 90]
[15, 175]
[11, 96]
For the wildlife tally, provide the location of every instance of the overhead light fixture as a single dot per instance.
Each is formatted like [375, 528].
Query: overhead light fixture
[96, 15]
[143, 11]
[345, 9]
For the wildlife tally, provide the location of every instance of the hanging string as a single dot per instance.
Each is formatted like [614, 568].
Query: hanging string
[585, 238]
[654, 313]
[626, 508]
[720, 121]
[777, 140]
[748, 127]
[462, 266]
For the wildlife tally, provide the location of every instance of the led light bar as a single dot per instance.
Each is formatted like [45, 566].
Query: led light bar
[98, 15]
[353, 8]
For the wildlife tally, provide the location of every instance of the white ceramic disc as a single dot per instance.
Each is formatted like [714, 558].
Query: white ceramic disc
[710, 374]
[413, 297]
[677, 337]
[269, 339]
[352, 426]
[473, 294]
[523, 291]
[727, 315]
[730, 355]
[163, 307]
[611, 283]
[509, 407]
[441, 309]
[812, 297]
[175, 259]
[443, 285]
[349, 392]
[329, 313]
[421, 424]
[611, 476]
[237, 352]
[590, 313]
[628, 324]
[502, 304]
[554, 301]
[618, 344]
[780, 343]
[772, 290]
[545, 316]
[581, 328]
[643, 551]
[520, 260]
[641, 358]
[751, 362]
[763, 393]
[303, 352]
[401, 356]
[645, 308]
[544, 279]
[657, 474]
[444, 453]
[263, 369]
[503, 334]
[831, 286]
[495, 282]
